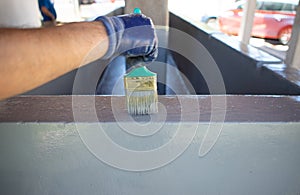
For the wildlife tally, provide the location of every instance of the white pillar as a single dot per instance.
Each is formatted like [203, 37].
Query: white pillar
[247, 21]
[293, 53]
[76, 8]
[20, 13]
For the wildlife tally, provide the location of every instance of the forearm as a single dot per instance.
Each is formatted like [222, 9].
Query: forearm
[47, 12]
[32, 57]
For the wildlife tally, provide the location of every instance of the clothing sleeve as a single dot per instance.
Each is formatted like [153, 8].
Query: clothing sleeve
[43, 3]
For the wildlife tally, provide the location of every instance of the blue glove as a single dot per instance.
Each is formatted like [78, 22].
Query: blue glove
[131, 35]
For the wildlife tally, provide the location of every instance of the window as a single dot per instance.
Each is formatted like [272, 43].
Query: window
[289, 7]
[275, 6]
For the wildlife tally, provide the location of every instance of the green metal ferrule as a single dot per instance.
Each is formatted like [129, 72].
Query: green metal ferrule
[140, 72]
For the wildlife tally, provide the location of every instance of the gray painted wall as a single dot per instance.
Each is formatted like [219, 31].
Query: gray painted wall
[248, 158]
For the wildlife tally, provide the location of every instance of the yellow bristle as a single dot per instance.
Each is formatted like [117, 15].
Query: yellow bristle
[141, 91]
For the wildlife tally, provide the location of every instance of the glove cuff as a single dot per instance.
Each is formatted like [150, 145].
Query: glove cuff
[113, 27]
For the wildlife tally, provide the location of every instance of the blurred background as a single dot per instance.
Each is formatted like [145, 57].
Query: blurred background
[271, 16]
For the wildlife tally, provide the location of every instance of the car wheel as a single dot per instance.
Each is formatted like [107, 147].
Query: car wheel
[285, 35]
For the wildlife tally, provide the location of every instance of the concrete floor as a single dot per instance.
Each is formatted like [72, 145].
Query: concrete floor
[272, 47]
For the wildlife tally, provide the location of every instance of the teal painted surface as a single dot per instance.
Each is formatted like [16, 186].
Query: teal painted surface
[50, 158]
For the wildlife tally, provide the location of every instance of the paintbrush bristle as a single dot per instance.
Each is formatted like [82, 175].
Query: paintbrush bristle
[141, 102]
[141, 91]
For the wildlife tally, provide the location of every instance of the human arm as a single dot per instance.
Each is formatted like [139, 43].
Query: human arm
[45, 11]
[31, 57]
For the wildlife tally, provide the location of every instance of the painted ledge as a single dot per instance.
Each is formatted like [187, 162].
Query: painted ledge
[231, 108]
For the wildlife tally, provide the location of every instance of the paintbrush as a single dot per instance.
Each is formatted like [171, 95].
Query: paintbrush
[141, 91]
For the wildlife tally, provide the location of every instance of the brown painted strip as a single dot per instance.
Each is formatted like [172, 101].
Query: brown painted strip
[62, 109]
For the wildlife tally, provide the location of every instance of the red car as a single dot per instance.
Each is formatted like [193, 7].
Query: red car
[273, 19]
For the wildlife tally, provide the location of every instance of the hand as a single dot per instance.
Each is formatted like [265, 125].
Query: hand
[132, 35]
